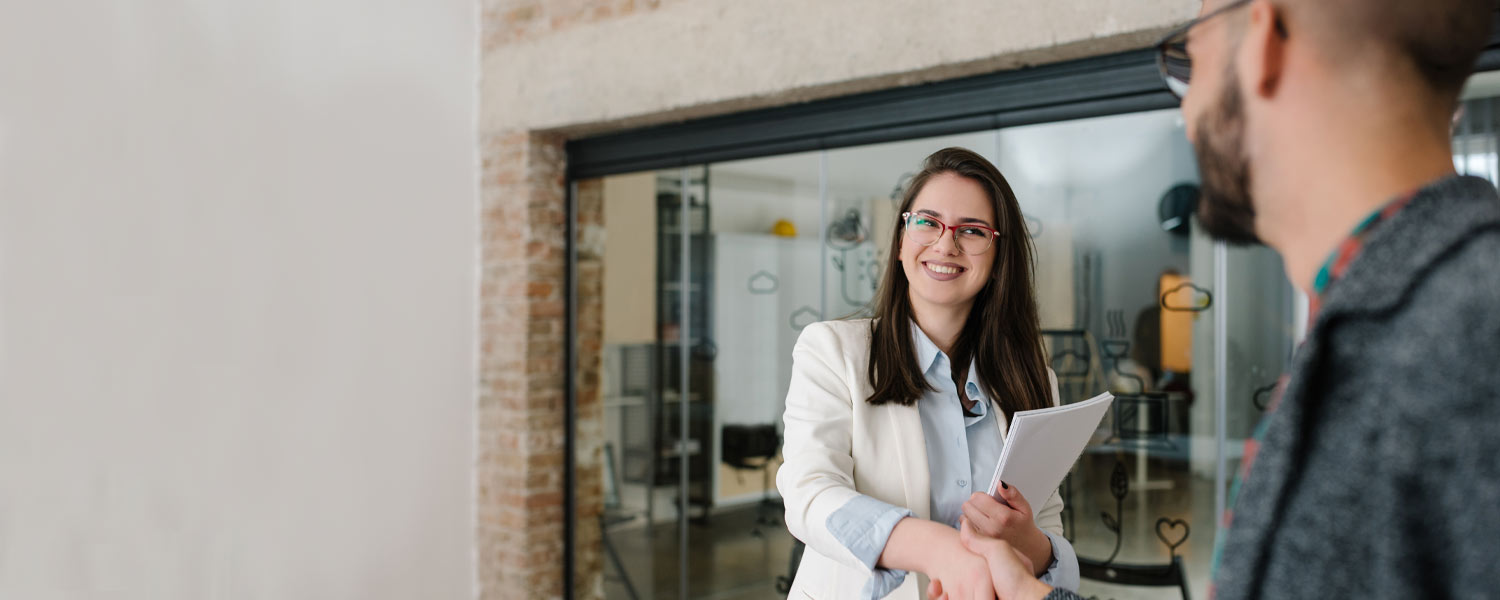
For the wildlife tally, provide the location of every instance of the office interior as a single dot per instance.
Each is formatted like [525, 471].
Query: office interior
[710, 272]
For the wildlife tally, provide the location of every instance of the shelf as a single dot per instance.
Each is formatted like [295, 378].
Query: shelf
[697, 341]
[623, 401]
[669, 397]
[694, 448]
[674, 180]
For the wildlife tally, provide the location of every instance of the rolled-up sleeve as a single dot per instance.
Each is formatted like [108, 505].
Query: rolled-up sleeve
[1063, 572]
[863, 525]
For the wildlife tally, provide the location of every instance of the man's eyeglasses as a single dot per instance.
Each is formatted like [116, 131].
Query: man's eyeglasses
[971, 239]
[1172, 57]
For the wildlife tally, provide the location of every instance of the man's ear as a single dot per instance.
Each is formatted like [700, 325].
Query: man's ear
[1263, 50]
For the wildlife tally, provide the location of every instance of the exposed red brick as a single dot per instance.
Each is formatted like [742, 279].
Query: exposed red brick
[522, 430]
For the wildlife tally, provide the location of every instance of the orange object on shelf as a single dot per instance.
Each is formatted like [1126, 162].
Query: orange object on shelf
[1176, 326]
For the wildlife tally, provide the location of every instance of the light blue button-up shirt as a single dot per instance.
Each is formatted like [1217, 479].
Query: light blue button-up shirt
[961, 455]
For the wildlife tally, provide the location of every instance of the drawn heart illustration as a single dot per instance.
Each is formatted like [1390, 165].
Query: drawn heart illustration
[1171, 526]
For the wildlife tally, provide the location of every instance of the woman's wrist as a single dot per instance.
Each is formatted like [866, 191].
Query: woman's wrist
[1039, 551]
[918, 545]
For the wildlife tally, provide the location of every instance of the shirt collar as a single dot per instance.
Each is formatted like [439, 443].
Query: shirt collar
[927, 352]
[928, 355]
[1338, 260]
[1344, 254]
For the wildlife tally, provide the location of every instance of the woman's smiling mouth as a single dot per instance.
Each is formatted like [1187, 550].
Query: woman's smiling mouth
[943, 271]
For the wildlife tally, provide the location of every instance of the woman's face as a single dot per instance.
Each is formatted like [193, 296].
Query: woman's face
[941, 276]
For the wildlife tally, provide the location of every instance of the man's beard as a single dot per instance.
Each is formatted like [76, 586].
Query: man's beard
[1225, 211]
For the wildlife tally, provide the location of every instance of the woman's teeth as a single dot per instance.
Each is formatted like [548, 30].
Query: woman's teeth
[944, 270]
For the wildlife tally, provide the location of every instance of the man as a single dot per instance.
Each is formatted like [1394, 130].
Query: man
[1322, 130]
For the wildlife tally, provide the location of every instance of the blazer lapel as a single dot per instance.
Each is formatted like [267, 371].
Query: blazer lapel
[911, 445]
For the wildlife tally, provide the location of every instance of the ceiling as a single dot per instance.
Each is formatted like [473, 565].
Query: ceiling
[1082, 149]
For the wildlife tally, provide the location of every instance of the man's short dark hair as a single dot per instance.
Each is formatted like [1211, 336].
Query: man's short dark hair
[1441, 39]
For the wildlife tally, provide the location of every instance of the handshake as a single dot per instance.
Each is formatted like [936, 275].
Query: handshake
[1008, 574]
[995, 553]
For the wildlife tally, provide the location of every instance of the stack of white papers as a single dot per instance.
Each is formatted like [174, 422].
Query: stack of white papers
[1042, 445]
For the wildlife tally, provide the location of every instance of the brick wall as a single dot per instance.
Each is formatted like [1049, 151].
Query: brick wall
[520, 454]
[588, 555]
[519, 445]
[511, 21]
[519, 471]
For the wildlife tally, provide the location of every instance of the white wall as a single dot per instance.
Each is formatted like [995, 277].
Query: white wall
[237, 282]
[749, 203]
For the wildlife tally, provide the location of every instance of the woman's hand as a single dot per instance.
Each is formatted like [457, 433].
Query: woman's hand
[1009, 518]
[935, 549]
[1010, 571]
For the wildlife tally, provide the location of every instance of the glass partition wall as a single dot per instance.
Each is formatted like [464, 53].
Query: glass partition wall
[706, 275]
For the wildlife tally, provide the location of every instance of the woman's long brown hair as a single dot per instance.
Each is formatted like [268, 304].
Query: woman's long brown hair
[1002, 334]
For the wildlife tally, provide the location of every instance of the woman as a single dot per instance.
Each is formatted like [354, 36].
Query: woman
[894, 424]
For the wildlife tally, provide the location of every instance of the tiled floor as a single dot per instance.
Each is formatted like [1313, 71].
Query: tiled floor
[727, 561]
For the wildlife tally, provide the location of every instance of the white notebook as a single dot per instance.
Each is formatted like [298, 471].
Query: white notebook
[1042, 445]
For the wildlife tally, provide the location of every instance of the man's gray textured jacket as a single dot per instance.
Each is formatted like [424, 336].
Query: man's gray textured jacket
[1379, 475]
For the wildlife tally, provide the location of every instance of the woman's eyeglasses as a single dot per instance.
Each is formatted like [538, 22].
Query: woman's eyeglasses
[970, 238]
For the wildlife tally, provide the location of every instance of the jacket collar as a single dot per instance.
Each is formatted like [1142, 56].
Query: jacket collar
[1440, 216]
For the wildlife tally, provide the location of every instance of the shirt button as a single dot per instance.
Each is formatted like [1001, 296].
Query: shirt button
[962, 483]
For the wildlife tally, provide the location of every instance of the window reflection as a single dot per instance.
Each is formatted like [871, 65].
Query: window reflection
[735, 258]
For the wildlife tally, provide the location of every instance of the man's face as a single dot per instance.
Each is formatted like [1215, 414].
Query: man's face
[1214, 112]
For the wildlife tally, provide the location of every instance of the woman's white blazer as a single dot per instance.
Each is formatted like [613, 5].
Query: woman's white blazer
[838, 446]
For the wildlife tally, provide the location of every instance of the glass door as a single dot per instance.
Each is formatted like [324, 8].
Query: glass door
[695, 282]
